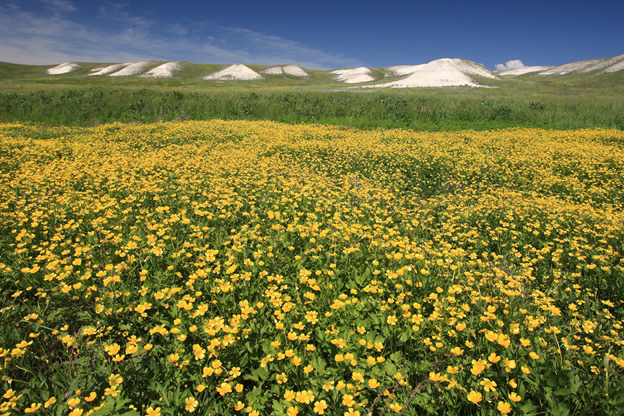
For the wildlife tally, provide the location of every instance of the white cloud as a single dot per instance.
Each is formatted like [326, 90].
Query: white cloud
[59, 6]
[58, 36]
[515, 64]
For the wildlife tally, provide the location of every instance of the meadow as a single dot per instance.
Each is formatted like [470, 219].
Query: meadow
[235, 267]
[29, 95]
[423, 110]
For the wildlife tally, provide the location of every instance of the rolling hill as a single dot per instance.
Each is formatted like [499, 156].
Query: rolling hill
[439, 73]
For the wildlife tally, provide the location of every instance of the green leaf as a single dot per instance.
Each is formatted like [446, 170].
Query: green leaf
[551, 379]
[560, 409]
[528, 407]
[252, 377]
[562, 392]
[617, 399]
[361, 278]
[278, 407]
[244, 360]
[521, 390]
[575, 383]
[61, 410]
[390, 368]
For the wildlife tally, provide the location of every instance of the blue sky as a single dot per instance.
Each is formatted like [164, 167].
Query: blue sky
[316, 34]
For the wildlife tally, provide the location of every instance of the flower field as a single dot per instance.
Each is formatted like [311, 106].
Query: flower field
[256, 268]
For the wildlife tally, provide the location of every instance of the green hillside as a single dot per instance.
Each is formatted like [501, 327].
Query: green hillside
[29, 94]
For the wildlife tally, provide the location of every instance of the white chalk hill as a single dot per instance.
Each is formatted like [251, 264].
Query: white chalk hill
[602, 66]
[236, 72]
[107, 69]
[121, 70]
[353, 75]
[598, 66]
[522, 71]
[63, 68]
[294, 70]
[134, 68]
[166, 70]
[439, 73]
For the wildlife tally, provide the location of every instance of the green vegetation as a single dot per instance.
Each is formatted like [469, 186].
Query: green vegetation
[420, 110]
[27, 94]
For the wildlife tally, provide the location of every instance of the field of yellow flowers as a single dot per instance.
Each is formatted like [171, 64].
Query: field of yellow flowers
[256, 268]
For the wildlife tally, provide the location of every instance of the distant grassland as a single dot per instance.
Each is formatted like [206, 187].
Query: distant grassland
[422, 109]
[28, 94]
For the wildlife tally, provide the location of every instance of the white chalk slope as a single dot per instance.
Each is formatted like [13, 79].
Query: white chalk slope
[167, 70]
[523, 70]
[603, 66]
[439, 73]
[353, 75]
[133, 68]
[294, 70]
[108, 69]
[236, 72]
[399, 70]
[63, 68]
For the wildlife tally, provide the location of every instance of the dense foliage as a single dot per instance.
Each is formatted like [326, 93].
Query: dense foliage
[258, 268]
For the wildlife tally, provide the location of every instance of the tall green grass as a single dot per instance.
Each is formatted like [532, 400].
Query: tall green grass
[415, 109]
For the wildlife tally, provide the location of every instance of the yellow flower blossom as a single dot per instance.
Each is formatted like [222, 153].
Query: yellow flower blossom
[503, 407]
[475, 397]
[191, 404]
[49, 402]
[320, 407]
[224, 388]
[478, 366]
[347, 400]
[33, 408]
